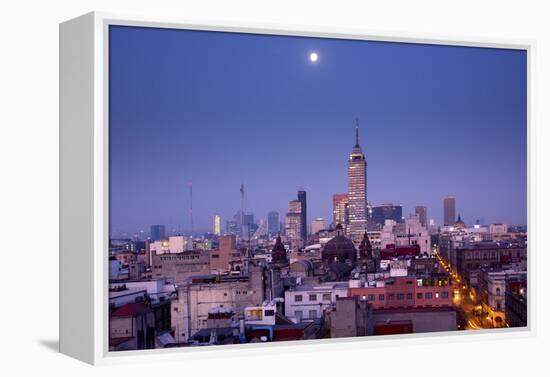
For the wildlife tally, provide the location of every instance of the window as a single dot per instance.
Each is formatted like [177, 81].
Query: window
[298, 314]
[372, 297]
[391, 296]
[312, 314]
[381, 297]
[444, 294]
[400, 296]
[269, 313]
[419, 295]
[326, 296]
[409, 296]
[428, 295]
[298, 298]
[312, 297]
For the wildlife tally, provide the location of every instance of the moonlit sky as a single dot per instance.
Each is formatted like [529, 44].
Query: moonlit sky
[221, 109]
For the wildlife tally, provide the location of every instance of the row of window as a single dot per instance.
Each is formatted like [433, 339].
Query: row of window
[300, 314]
[409, 296]
[312, 297]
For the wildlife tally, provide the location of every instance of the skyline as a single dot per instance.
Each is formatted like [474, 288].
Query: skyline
[182, 109]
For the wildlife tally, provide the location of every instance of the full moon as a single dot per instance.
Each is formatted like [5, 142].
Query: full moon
[313, 57]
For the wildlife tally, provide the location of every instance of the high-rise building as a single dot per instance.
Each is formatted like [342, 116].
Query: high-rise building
[357, 190]
[217, 225]
[422, 213]
[303, 213]
[317, 225]
[340, 209]
[387, 211]
[158, 232]
[293, 224]
[449, 205]
[273, 223]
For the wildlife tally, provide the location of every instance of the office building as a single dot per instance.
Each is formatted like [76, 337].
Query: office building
[388, 211]
[273, 223]
[217, 225]
[357, 190]
[293, 224]
[317, 225]
[158, 232]
[303, 214]
[449, 206]
[340, 209]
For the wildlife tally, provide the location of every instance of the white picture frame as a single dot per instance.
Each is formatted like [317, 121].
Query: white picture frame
[84, 188]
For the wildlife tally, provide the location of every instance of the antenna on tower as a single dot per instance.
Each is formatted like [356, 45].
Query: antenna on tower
[242, 207]
[357, 132]
[191, 207]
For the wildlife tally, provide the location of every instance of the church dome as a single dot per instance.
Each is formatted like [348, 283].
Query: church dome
[459, 224]
[339, 249]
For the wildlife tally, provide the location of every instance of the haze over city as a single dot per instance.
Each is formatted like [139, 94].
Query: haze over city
[220, 110]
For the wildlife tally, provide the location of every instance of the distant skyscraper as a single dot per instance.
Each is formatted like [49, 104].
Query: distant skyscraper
[293, 223]
[217, 225]
[317, 225]
[248, 219]
[357, 190]
[388, 211]
[232, 227]
[273, 223]
[158, 232]
[449, 205]
[303, 209]
[422, 213]
[340, 209]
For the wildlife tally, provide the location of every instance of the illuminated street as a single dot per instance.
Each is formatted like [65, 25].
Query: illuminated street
[469, 314]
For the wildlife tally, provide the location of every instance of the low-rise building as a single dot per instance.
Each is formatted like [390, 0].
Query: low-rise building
[492, 287]
[177, 268]
[405, 292]
[308, 302]
[350, 317]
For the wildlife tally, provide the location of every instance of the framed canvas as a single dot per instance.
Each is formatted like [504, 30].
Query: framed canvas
[231, 188]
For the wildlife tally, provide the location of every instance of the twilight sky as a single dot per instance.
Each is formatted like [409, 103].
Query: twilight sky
[221, 109]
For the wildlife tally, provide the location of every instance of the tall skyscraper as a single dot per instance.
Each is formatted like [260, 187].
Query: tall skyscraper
[293, 226]
[357, 190]
[217, 225]
[273, 223]
[158, 232]
[422, 213]
[303, 213]
[449, 205]
[340, 209]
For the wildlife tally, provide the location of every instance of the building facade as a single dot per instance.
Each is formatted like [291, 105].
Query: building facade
[357, 191]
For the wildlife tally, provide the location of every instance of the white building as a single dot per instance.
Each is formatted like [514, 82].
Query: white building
[309, 302]
[157, 289]
[172, 245]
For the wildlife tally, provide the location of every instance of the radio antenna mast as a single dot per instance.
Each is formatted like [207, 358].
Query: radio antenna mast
[191, 208]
